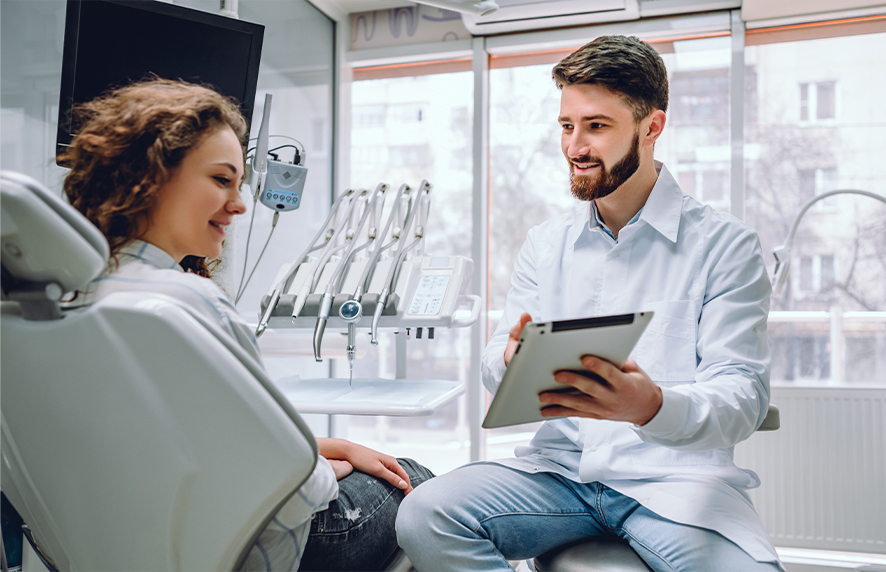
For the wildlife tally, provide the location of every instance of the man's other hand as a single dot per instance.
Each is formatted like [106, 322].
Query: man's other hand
[618, 395]
[514, 336]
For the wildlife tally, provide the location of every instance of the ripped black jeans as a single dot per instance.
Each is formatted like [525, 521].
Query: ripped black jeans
[357, 531]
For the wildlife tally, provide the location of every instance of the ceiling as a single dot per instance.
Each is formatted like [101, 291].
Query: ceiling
[349, 6]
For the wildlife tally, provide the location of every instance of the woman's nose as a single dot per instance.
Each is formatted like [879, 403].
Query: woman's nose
[236, 205]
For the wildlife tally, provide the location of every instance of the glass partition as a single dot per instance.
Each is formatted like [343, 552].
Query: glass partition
[815, 124]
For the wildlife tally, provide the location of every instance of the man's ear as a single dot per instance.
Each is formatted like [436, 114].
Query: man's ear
[653, 126]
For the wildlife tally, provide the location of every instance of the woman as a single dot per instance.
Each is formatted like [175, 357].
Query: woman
[157, 167]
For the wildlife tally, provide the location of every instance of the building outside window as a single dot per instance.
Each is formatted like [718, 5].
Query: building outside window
[828, 312]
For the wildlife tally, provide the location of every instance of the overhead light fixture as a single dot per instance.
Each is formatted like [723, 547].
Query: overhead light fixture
[475, 7]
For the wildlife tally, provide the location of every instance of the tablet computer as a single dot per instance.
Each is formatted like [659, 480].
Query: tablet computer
[548, 347]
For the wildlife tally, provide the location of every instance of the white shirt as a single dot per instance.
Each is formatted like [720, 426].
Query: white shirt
[702, 273]
[143, 267]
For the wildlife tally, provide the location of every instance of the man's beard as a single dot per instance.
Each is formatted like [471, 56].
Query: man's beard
[586, 188]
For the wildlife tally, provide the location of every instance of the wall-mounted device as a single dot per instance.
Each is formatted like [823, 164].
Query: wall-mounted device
[283, 186]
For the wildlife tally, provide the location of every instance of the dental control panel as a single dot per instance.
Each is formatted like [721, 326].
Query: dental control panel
[283, 186]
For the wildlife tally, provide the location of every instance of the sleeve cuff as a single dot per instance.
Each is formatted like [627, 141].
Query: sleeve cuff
[671, 419]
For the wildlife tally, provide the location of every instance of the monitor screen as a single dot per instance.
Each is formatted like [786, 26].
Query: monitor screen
[109, 43]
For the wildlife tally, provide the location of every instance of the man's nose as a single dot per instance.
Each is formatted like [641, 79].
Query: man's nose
[578, 146]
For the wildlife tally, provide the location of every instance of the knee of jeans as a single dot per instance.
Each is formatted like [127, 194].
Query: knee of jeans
[418, 513]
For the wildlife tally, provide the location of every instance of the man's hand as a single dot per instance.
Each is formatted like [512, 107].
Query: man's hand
[341, 454]
[619, 395]
[514, 336]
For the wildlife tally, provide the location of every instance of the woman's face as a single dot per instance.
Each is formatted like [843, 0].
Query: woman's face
[195, 206]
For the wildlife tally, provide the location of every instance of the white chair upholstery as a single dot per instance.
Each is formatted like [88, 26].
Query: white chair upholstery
[134, 435]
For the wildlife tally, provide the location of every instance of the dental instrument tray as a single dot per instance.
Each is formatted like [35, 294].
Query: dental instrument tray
[546, 348]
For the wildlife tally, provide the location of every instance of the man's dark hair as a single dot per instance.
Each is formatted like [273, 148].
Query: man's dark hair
[624, 64]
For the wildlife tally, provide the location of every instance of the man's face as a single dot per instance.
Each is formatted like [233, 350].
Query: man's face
[599, 140]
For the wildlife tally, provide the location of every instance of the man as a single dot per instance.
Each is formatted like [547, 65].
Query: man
[647, 455]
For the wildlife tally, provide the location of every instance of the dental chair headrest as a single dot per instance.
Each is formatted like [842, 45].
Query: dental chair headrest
[47, 248]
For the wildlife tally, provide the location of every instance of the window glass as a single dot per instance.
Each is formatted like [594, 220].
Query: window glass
[409, 129]
[824, 329]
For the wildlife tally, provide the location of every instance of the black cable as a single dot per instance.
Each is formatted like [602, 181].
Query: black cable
[43, 558]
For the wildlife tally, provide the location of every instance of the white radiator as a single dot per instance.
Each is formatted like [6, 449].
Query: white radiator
[824, 470]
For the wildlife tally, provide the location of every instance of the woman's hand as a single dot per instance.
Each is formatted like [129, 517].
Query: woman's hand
[341, 468]
[341, 453]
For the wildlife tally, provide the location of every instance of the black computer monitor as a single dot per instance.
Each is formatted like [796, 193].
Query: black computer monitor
[109, 43]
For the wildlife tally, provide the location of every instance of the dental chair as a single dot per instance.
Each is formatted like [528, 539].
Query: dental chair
[135, 435]
[612, 554]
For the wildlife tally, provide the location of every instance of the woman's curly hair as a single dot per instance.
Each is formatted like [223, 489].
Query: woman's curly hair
[129, 141]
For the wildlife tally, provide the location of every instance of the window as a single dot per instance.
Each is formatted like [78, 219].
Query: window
[814, 182]
[816, 274]
[818, 101]
[827, 315]
[368, 116]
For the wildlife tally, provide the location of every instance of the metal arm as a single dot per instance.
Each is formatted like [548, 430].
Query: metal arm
[783, 253]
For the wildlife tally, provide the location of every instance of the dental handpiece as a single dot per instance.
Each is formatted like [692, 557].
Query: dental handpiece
[383, 296]
[396, 260]
[329, 294]
[281, 285]
[322, 319]
[327, 298]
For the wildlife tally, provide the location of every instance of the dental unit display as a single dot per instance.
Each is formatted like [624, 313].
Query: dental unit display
[356, 274]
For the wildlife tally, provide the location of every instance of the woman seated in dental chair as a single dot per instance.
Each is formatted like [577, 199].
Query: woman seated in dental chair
[157, 167]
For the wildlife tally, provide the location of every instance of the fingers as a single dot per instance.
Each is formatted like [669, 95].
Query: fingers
[403, 483]
[601, 367]
[557, 411]
[341, 468]
[518, 327]
[514, 337]
[389, 470]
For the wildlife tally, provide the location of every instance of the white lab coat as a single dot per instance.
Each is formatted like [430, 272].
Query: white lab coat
[702, 273]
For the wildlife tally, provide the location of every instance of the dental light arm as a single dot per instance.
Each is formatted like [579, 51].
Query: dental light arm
[783, 253]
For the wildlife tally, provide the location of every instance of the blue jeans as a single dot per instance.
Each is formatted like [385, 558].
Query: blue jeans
[482, 515]
[356, 532]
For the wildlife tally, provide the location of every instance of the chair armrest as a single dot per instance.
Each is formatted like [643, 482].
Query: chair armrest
[772, 420]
